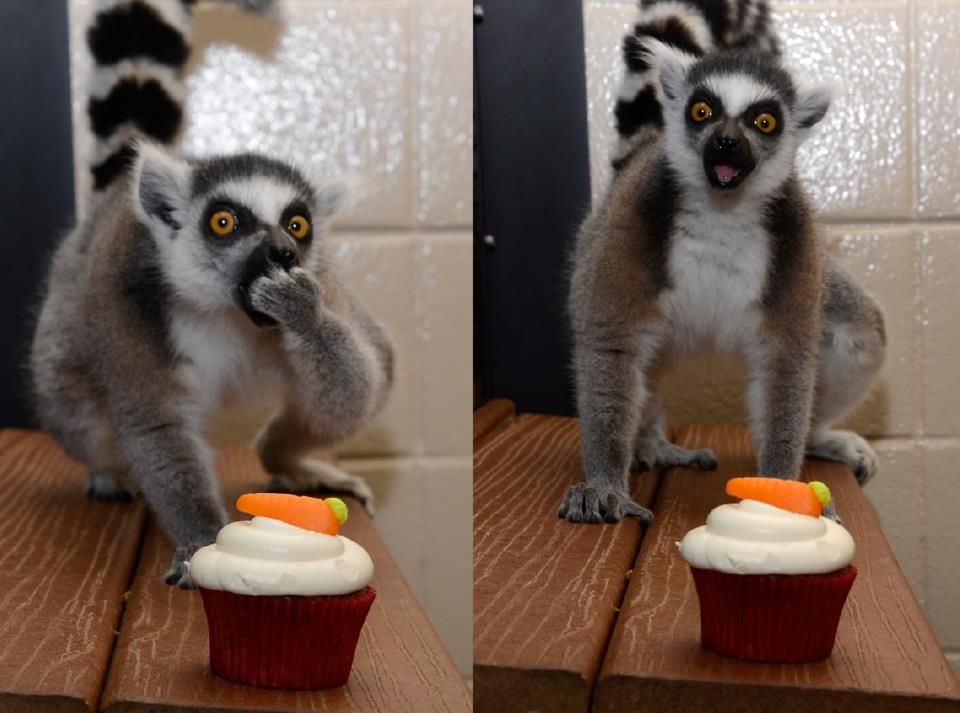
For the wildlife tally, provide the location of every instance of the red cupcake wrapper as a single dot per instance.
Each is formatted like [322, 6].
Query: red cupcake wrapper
[291, 642]
[783, 618]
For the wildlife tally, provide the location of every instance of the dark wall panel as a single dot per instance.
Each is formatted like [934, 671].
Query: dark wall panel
[534, 167]
[36, 177]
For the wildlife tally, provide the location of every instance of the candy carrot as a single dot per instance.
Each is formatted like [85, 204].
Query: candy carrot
[792, 495]
[299, 510]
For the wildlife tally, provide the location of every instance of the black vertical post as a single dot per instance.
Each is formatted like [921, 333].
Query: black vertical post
[534, 176]
[36, 178]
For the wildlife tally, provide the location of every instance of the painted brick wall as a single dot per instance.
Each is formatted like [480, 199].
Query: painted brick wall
[377, 91]
[884, 171]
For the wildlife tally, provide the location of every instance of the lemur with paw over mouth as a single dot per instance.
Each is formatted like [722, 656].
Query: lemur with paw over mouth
[705, 239]
[191, 283]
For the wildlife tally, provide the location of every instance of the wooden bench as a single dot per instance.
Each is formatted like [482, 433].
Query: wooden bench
[576, 618]
[72, 640]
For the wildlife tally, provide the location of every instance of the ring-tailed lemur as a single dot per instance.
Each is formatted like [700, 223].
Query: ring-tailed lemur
[191, 282]
[705, 239]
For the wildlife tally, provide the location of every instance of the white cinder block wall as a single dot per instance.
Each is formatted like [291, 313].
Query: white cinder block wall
[884, 171]
[379, 91]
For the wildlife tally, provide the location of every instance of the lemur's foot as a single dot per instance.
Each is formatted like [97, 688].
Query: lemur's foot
[103, 486]
[845, 447]
[178, 573]
[830, 512]
[588, 503]
[306, 475]
[657, 452]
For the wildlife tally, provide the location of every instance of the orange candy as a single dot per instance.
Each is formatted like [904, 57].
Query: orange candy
[789, 495]
[299, 510]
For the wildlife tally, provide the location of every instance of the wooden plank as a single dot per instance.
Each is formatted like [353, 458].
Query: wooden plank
[490, 417]
[162, 661]
[886, 658]
[545, 591]
[65, 562]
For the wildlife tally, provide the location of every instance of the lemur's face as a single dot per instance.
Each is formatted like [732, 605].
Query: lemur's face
[239, 217]
[733, 122]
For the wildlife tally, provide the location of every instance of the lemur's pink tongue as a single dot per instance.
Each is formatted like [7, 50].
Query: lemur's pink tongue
[724, 172]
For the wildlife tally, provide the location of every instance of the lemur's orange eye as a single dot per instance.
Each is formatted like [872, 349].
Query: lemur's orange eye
[766, 123]
[700, 111]
[298, 226]
[223, 222]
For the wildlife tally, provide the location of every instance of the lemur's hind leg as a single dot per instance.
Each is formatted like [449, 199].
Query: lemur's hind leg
[282, 446]
[652, 450]
[851, 353]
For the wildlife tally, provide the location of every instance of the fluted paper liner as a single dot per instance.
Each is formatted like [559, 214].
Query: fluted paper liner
[780, 618]
[292, 642]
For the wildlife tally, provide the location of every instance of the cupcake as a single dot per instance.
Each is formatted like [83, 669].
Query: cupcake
[772, 574]
[285, 595]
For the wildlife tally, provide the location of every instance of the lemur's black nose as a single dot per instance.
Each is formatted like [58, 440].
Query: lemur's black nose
[725, 143]
[282, 257]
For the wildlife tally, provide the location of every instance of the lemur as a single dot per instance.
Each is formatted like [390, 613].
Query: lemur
[189, 284]
[705, 239]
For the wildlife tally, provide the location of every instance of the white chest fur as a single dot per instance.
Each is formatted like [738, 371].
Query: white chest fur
[225, 360]
[718, 270]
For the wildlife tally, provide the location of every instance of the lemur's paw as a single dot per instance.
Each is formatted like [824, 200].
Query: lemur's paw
[103, 486]
[846, 447]
[291, 298]
[307, 476]
[586, 503]
[178, 573]
[660, 453]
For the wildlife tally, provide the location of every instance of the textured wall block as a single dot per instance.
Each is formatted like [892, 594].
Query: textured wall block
[937, 72]
[443, 305]
[380, 270]
[423, 509]
[604, 24]
[885, 264]
[447, 493]
[858, 163]
[896, 494]
[444, 134]
[942, 498]
[940, 285]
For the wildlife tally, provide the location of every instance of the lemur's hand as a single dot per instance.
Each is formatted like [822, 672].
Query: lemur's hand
[600, 503]
[292, 298]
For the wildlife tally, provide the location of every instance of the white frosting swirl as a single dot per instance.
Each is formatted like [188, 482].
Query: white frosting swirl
[755, 538]
[264, 556]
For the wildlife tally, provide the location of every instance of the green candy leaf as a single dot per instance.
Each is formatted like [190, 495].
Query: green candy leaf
[339, 508]
[821, 491]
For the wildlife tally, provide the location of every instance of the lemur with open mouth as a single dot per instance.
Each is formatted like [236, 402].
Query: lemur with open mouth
[188, 284]
[705, 239]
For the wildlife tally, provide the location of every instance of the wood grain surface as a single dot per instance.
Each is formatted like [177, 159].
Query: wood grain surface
[490, 417]
[162, 662]
[886, 658]
[545, 591]
[65, 562]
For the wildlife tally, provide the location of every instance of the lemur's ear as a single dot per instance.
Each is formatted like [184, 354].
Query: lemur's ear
[671, 65]
[331, 196]
[161, 187]
[812, 104]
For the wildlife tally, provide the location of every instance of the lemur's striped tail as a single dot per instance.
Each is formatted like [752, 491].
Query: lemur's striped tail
[139, 49]
[693, 26]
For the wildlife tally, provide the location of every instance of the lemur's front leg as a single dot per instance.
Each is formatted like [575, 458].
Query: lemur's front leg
[611, 392]
[341, 370]
[781, 399]
[174, 470]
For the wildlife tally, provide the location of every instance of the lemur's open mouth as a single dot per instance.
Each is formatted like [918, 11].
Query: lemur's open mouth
[727, 172]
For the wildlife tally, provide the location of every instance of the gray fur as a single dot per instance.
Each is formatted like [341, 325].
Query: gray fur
[122, 388]
[674, 260]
